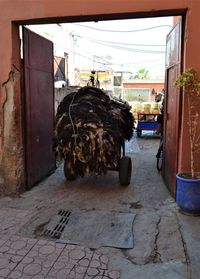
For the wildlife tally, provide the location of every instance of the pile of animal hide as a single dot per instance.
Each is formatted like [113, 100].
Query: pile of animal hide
[90, 129]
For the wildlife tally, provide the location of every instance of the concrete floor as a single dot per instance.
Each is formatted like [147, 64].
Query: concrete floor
[166, 242]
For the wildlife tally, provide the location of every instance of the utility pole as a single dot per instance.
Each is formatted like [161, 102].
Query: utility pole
[74, 56]
[73, 49]
[72, 59]
[122, 81]
[94, 56]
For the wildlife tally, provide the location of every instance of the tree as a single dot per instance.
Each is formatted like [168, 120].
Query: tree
[189, 81]
[141, 74]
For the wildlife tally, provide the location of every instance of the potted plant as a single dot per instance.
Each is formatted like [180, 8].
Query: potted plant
[188, 184]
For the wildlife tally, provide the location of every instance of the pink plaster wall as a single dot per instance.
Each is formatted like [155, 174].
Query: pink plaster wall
[20, 10]
[191, 59]
[156, 86]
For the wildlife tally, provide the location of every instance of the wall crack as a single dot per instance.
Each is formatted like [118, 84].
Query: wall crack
[154, 257]
[11, 162]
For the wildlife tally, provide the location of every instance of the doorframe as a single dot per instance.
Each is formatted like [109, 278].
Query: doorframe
[16, 57]
[104, 17]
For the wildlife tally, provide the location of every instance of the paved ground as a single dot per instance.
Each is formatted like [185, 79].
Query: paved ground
[166, 242]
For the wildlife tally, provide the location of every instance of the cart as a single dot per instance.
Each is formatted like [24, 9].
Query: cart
[147, 121]
[90, 129]
[124, 168]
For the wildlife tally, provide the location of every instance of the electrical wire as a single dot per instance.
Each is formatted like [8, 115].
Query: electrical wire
[137, 63]
[110, 64]
[123, 31]
[118, 43]
[70, 117]
[76, 148]
[93, 60]
[130, 49]
[92, 54]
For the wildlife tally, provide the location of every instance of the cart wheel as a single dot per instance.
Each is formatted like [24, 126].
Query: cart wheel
[125, 169]
[69, 176]
[139, 133]
[159, 157]
[159, 163]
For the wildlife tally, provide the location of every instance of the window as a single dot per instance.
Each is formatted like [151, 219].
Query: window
[117, 80]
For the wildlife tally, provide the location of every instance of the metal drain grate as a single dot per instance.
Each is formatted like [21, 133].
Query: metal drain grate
[57, 224]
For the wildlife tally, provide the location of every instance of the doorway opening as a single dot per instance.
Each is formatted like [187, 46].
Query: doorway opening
[129, 59]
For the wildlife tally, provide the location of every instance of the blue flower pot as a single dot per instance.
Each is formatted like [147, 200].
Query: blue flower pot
[188, 195]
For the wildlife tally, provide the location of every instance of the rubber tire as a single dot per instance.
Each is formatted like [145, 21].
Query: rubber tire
[159, 161]
[125, 170]
[69, 176]
[139, 133]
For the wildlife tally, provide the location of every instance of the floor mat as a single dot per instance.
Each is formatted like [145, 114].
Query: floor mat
[99, 228]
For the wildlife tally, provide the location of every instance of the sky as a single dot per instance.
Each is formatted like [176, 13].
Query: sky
[121, 45]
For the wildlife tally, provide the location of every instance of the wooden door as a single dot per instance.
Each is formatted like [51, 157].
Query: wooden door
[172, 108]
[39, 106]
